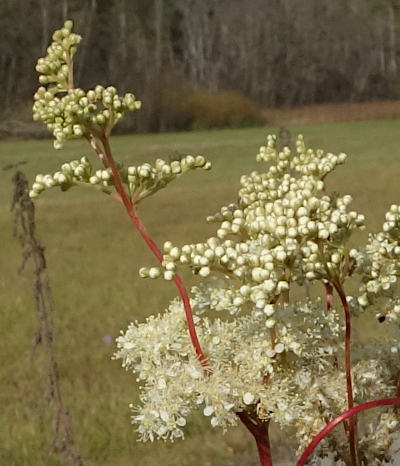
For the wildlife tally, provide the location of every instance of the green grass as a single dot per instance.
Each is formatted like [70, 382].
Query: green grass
[93, 258]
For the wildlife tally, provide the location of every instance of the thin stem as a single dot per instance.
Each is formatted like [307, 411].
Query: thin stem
[228, 273]
[351, 431]
[341, 418]
[264, 453]
[70, 63]
[128, 203]
[259, 430]
[94, 136]
[88, 134]
[285, 295]
[329, 295]
[272, 336]
[322, 257]
[349, 385]
[130, 208]
[98, 187]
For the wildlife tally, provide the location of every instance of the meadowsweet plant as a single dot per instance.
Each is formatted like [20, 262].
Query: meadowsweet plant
[248, 345]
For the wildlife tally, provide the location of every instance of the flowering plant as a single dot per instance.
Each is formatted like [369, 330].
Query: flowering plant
[269, 355]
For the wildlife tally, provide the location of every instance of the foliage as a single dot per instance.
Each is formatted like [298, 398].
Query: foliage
[280, 360]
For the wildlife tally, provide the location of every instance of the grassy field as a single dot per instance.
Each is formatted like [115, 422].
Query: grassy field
[93, 258]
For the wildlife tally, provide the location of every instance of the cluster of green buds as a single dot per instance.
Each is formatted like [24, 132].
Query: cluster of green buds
[146, 179]
[72, 112]
[55, 68]
[308, 162]
[78, 111]
[379, 265]
[71, 173]
[142, 180]
[284, 229]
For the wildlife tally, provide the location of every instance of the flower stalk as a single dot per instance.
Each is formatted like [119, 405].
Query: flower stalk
[352, 423]
[259, 430]
[132, 213]
[278, 360]
[341, 418]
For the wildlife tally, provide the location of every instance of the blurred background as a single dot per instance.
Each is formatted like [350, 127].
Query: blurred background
[211, 63]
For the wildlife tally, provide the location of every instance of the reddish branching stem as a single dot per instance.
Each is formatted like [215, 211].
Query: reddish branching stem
[259, 430]
[349, 384]
[341, 418]
[107, 158]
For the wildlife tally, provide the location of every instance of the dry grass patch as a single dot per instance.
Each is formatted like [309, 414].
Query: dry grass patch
[332, 112]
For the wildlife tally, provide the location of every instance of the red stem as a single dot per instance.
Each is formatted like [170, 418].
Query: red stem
[130, 208]
[342, 417]
[264, 453]
[259, 430]
[349, 384]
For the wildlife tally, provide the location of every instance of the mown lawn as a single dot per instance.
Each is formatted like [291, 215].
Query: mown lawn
[93, 258]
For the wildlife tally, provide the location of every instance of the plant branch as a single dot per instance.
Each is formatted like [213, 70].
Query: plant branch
[351, 431]
[341, 418]
[350, 401]
[89, 135]
[97, 187]
[130, 209]
[226, 273]
[70, 64]
[259, 430]
[94, 137]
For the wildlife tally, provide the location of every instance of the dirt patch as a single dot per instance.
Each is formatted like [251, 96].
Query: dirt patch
[327, 113]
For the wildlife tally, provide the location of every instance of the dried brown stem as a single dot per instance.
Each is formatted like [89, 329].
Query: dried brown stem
[24, 230]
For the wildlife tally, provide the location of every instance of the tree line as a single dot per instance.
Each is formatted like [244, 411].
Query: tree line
[274, 52]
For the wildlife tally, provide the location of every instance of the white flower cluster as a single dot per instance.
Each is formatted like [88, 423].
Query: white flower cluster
[305, 385]
[241, 354]
[379, 267]
[72, 112]
[217, 295]
[275, 360]
[142, 180]
[375, 444]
